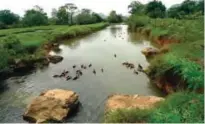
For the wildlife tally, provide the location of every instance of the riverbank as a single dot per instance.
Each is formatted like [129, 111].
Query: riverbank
[178, 71]
[25, 50]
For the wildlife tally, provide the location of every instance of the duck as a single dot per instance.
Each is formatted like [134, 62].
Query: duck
[79, 72]
[131, 66]
[89, 65]
[82, 66]
[140, 68]
[102, 70]
[66, 72]
[85, 67]
[76, 77]
[115, 55]
[55, 76]
[68, 78]
[74, 66]
[135, 72]
[125, 63]
[94, 72]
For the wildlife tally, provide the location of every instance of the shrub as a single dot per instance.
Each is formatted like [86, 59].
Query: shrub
[136, 21]
[181, 107]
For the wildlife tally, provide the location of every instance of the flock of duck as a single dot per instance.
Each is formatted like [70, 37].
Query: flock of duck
[79, 73]
[65, 74]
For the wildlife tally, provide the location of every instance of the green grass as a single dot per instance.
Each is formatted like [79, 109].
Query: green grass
[181, 107]
[185, 58]
[25, 43]
[38, 35]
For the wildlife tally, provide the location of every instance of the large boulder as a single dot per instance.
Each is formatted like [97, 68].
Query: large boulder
[150, 51]
[52, 105]
[55, 59]
[117, 101]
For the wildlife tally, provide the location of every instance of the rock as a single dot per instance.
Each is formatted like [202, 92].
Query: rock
[42, 60]
[55, 59]
[131, 101]
[150, 51]
[52, 105]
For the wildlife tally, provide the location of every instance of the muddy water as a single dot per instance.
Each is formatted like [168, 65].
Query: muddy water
[97, 48]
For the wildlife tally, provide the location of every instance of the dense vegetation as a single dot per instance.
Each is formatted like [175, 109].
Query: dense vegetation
[180, 30]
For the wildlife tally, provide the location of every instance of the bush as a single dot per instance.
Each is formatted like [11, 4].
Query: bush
[127, 116]
[13, 45]
[136, 21]
[180, 107]
[4, 57]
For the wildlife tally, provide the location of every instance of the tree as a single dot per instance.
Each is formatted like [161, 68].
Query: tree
[86, 16]
[188, 8]
[96, 17]
[71, 9]
[62, 15]
[35, 17]
[136, 7]
[155, 9]
[200, 6]
[8, 18]
[114, 17]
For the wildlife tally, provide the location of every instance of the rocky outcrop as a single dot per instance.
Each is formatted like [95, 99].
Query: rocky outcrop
[55, 59]
[131, 101]
[150, 51]
[52, 105]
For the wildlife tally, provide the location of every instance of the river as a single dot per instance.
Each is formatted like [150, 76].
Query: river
[97, 48]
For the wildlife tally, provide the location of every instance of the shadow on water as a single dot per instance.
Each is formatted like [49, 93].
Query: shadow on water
[93, 89]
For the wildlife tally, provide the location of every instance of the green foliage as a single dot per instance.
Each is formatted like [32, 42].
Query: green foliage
[4, 57]
[13, 45]
[35, 17]
[62, 16]
[136, 21]
[155, 9]
[181, 107]
[136, 7]
[8, 18]
[87, 17]
[127, 116]
[187, 8]
[71, 9]
[114, 17]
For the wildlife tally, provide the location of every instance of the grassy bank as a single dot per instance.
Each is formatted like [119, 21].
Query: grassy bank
[181, 107]
[25, 43]
[183, 65]
[185, 42]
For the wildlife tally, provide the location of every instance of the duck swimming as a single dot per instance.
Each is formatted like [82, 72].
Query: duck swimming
[74, 66]
[89, 65]
[55, 76]
[140, 68]
[135, 72]
[76, 77]
[102, 70]
[94, 72]
[115, 55]
[68, 78]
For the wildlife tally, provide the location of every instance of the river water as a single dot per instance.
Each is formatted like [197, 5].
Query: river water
[97, 48]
